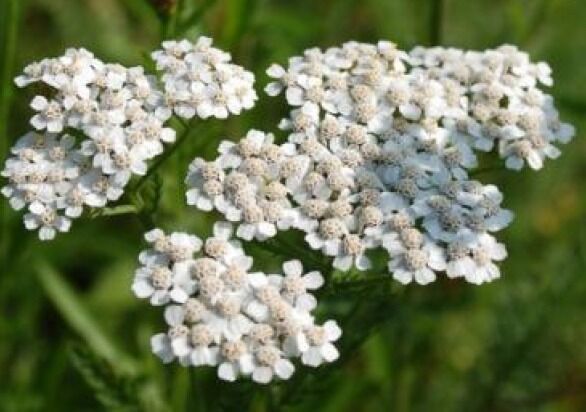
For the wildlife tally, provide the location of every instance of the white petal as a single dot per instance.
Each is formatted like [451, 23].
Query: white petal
[498, 252]
[227, 372]
[273, 88]
[142, 289]
[566, 132]
[293, 268]
[276, 71]
[332, 247]
[403, 276]
[38, 122]
[181, 346]
[199, 357]
[301, 342]
[391, 201]
[343, 263]
[46, 233]
[257, 310]
[284, 369]
[174, 315]
[204, 203]
[312, 357]
[294, 96]
[424, 276]
[514, 163]
[266, 230]
[436, 259]
[159, 297]
[313, 280]
[161, 347]
[257, 279]
[39, 103]
[246, 364]
[262, 375]
[329, 352]
[362, 262]
[410, 111]
[178, 295]
[314, 241]
[223, 230]
[534, 160]
[306, 302]
[37, 208]
[333, 331]
[246, 231]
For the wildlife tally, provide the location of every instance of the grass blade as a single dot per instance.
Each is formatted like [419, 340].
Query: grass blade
[74, 312]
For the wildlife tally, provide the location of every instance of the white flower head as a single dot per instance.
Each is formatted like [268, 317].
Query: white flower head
[112, 109]
[219, 314]
[199, 80]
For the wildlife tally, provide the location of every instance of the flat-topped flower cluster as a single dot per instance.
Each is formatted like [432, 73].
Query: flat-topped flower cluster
[220, 313]
[199, 81]
[97, 124]
[378, 153]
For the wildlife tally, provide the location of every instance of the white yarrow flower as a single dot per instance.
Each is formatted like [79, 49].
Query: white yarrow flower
[219, 314]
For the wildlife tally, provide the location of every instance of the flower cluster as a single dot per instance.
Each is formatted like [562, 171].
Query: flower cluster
[199, 80]
[99, 124]
[57, 175]
[244, 183]
[379, 151]
[221, 314]
[379, 148]
[478, 99]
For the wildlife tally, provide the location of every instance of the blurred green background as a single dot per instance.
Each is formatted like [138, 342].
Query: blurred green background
[73, 338]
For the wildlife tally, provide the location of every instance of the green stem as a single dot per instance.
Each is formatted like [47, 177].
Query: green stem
[195, 16]
[9, 24]
[170, 23]
[402, 365]
[436, 22]
[197, 391]
[239, 14]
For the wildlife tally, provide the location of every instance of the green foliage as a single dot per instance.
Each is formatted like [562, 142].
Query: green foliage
[516, 344]
[113, 391]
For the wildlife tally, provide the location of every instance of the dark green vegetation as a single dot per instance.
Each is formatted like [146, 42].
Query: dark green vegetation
[73, 338]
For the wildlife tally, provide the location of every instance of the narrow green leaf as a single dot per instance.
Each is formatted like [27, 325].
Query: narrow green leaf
[114, 391]
[74, 312]
[113, 211]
